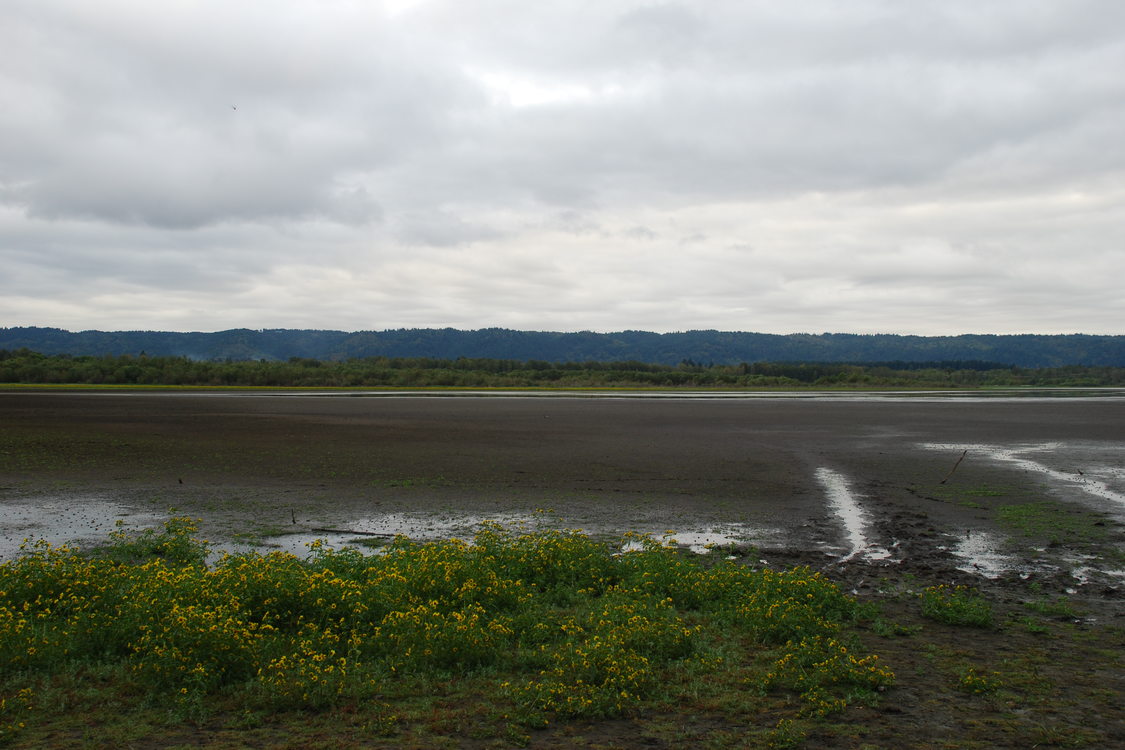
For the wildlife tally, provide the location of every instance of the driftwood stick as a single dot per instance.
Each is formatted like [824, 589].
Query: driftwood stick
[947, 476]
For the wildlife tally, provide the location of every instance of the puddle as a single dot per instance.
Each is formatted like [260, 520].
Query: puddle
[980, 555]
[702, 541]
[980, 552]
[80, 521]
[423, 527]
[418, 526]
[1118, 575]
[851, 514]
[1084, 571]
[1093, 480]
[430, 526]
[85, 521]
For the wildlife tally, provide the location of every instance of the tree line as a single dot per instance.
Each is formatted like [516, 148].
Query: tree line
[24, 366]
[721, 347]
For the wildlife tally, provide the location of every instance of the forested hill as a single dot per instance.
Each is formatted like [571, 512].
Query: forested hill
[703, 347]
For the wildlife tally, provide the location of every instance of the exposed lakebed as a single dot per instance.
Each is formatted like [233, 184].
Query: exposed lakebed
[937, 484]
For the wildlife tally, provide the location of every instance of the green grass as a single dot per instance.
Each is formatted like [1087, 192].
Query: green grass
[986, 490]
[1053, 523]
[956, 605]
[516, 631]
[971, 495]
[1058, 607]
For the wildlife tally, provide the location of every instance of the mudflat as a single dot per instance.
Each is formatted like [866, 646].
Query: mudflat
[1020, 498]
[606, 464]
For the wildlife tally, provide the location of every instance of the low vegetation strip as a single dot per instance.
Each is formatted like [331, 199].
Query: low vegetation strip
[543, 625]
[27, 367]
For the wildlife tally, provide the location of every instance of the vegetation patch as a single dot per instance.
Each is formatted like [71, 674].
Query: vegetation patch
[978, 683]
[956, 605]
[1053, 523]
[29, 367]
[539, 626]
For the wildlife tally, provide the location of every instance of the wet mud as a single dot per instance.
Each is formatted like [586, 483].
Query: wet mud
[848, 483]
[1019, 498]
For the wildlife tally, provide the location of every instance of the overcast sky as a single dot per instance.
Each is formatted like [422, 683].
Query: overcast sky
[929, 167]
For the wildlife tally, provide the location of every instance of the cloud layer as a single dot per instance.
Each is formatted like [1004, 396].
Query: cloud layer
[930, 167]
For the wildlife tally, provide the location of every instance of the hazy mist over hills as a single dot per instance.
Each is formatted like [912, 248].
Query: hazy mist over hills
[705, 347]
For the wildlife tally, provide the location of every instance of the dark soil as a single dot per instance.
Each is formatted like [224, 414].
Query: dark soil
[272, 463]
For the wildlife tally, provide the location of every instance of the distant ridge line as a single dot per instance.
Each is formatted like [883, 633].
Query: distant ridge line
[698, 346]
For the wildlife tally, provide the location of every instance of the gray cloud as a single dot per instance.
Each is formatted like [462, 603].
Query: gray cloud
[743, 165]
